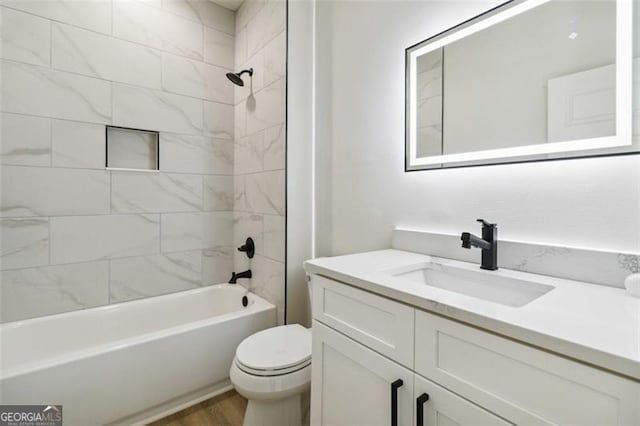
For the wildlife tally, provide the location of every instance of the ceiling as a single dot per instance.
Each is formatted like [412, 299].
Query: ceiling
[229, 4]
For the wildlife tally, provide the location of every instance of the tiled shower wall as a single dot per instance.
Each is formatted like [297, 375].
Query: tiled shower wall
[259, 155]
[74, 235]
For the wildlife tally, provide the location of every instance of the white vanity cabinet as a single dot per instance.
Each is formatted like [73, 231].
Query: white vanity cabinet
[353, 385]
[450, 373]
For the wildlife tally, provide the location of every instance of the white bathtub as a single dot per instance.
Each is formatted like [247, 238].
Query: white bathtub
[131, 361]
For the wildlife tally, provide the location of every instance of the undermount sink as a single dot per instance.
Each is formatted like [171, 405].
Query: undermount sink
[476, 283]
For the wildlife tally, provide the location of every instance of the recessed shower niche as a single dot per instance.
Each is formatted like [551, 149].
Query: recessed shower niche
[132, 149]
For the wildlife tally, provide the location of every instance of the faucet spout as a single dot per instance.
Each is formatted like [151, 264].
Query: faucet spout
[243, 274]
[470, 240]
[488, 244]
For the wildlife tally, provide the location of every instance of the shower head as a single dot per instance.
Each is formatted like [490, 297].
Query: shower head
[236, 77]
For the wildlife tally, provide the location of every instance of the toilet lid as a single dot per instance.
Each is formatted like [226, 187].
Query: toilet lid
[276, 348]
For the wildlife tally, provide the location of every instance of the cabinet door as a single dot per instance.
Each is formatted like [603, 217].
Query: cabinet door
[439, 407]
[352, 385]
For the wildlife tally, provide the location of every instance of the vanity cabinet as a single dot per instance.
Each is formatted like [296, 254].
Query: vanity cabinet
[455, 374]
[352, 384]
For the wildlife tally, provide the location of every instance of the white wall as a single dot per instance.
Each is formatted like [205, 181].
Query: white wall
[299, 157]
[362, 190]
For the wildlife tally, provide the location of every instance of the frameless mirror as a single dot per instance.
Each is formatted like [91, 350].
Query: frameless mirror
[530, 80]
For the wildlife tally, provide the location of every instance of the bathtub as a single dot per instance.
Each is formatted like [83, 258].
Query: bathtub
[131, 362]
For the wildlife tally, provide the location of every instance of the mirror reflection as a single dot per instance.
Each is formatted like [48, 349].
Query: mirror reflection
[542, 76]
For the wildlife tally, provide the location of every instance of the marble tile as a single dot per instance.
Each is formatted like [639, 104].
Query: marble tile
[429, 140]
[265, 192]
[38, 191]
[429, 84]
[83, 238]
[196, 231]
[240, 193]
[147, 109]
[248, 156]
[154, 3]
[140, 192]
[218, 88]
[24, 242]
[157, 28]
[240, 48]
[265, 26]
[24, 37]
[146, 276]
[245, 225]
[196, 79]
[247, 11]
[274, 237]
[275, 154]
[94, 15]
[195, 154]
[76, 144]
[60, 94]
[254, 83]
[34, 292]
[219, 120]
[240, 120]
[183, 76]
[219, 48]
[429, 111]
[275, 59]
[217, 265]
[269, 108]
[95, 55]
[25, 140]
[217, 193]
[204, 12]
[268, 282]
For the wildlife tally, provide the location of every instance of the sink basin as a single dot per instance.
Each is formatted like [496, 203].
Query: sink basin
[481, 284]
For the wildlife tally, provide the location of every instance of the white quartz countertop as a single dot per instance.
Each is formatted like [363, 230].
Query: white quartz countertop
[592, 323]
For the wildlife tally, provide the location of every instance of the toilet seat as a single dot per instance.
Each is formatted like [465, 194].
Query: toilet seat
[275, 352]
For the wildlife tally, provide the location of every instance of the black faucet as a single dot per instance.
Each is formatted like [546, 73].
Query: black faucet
[488, 243]
[244, 274]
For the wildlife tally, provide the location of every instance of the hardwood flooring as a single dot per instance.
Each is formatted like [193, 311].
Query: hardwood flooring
[226, 409]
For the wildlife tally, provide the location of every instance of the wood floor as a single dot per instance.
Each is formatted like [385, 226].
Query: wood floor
[226, 409]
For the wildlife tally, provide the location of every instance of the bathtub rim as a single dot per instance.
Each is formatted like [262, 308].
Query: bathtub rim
[259, 305]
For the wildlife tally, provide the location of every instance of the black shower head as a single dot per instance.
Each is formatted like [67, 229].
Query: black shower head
[236, 77]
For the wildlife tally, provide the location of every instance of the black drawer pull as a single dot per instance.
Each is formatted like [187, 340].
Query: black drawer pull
[394, 401]
[420, 408]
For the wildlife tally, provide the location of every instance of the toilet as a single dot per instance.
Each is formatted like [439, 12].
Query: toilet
[272, 369]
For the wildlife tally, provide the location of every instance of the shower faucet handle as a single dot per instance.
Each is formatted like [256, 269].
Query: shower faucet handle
[249, 248]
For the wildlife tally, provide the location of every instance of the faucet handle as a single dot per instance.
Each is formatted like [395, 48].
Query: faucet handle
[485, 223]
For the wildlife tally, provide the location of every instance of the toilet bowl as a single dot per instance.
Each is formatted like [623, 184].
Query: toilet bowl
[272, 369]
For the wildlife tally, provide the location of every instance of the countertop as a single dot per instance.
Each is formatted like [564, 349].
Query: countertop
[594, 324]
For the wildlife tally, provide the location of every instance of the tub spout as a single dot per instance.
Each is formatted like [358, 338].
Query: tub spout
[244, 274]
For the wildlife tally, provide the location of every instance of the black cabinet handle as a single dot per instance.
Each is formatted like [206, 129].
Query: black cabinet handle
[420, 408]
[394, 401]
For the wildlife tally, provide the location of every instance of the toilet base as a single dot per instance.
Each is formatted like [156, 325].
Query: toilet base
[280, 412]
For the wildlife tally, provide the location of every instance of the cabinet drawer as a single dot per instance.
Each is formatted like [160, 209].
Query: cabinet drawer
[381, 324]
[445, 408]
[520, 383]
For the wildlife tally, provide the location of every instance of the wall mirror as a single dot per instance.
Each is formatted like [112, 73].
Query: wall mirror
[529, 80]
